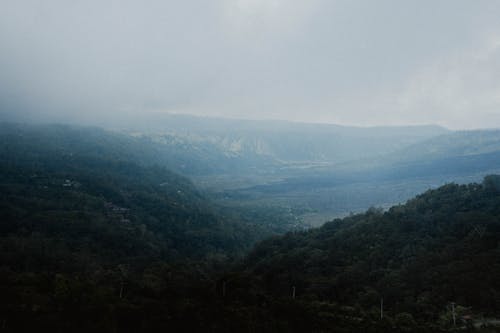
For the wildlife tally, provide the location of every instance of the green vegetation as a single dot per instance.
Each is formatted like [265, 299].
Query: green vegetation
[96, 235]
[50, 188]
[93, 229]
[441, 247]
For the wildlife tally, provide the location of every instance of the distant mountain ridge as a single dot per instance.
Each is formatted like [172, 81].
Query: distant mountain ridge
[307, 168]
[461, 143]
[318, 166]
[283, 141]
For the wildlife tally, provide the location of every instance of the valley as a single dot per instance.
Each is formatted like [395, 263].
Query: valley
[253, 166]
[98, 230]
[261, 164]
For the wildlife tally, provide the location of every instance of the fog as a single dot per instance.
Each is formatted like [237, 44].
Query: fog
[346, 62]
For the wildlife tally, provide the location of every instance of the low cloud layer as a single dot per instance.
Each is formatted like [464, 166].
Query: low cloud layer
[348, 62]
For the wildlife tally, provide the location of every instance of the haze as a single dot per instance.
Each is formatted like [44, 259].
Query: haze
[346, 62]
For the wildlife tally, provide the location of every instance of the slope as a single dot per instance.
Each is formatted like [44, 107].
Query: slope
[440, 247]
[59, 178]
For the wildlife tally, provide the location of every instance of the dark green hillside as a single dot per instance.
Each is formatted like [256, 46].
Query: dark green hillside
[169, 151]
[96, 238]
[58, 179]
[28, 142]
[441, 247]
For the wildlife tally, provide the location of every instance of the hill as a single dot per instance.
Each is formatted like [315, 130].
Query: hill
[97, 235]
[59, 177]
[438, 248]
[282, 141]
[461, 143]
[93, 227]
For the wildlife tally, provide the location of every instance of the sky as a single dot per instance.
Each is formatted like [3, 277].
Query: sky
[365, 63]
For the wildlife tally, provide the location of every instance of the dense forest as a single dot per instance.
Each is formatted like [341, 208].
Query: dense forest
[439, 248]
[82, 187]
[97, 235]
[96, 214]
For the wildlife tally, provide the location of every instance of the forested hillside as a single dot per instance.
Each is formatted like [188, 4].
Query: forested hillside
[441, 247]
[168, 151]
[96, 235]
[91, 220]
[60, 176]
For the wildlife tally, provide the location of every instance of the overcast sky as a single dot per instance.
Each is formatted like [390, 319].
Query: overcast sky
[347, 62]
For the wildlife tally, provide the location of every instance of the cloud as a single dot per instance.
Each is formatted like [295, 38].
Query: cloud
[269, 17]
[351, 62]
[461, 89]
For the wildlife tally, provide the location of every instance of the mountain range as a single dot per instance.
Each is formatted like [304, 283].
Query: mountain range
[99, 234]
